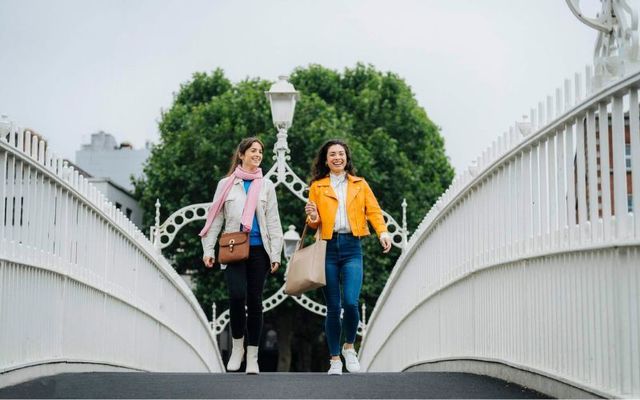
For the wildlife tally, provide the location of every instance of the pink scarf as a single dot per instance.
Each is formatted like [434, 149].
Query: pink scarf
[249, 207]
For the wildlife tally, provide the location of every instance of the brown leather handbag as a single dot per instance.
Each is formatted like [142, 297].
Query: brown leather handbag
[234, 247]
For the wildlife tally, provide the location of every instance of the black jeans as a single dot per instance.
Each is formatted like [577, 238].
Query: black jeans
[245, 283]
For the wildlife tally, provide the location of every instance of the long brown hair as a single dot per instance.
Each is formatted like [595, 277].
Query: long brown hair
[320, 169]
[242, 147]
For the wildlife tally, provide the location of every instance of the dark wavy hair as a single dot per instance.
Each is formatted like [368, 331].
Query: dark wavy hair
[320, 169]
[242, 147]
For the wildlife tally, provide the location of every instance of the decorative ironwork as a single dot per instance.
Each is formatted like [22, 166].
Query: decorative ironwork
[616, 53]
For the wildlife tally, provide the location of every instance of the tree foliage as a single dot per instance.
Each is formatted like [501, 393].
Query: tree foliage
[395, 146]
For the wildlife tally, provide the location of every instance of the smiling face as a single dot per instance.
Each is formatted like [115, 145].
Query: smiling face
[336, 159]
[252, 157]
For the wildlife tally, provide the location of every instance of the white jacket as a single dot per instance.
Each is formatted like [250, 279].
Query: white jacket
[266, 213]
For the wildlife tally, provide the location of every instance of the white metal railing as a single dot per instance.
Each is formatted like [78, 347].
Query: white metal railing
[79, 283]
[531, 257]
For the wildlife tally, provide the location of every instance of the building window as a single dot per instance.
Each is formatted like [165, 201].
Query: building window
[629, 202]
[118, 205]
[627, 156]
[128, 213]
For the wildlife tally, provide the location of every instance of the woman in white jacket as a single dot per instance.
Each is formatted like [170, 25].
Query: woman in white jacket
[247, 202]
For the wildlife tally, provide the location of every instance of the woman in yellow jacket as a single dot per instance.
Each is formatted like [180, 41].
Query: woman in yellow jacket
[341, 203]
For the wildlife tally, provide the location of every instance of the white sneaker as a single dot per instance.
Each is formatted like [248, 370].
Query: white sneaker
[351, 359]
[335, 368]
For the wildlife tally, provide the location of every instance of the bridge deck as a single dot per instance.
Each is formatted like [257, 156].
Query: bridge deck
[268, 385]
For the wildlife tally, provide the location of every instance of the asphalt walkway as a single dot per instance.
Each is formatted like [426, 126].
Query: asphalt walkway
[142, 385]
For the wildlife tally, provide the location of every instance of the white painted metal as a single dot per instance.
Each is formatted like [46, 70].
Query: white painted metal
[619, 169]
[79, 283]
[616, 51]
[592, 167]
[634, 132]
[467, 288]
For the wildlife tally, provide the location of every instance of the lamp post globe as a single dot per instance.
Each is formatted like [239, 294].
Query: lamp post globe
[291, 239]
[282, 96]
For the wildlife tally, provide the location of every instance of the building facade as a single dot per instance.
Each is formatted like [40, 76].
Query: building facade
[109, 166]
[104, 158]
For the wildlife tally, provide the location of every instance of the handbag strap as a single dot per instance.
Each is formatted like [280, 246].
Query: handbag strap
[304, 233]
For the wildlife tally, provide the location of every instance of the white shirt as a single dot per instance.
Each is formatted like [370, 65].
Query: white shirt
[339, 185]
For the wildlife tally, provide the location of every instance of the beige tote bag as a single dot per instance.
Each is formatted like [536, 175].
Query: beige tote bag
[305, 270]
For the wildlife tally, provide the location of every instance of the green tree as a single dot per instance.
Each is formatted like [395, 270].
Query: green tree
[395, 147]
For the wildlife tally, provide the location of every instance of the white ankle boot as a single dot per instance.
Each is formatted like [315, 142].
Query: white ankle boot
[252, 360]
[237, 353]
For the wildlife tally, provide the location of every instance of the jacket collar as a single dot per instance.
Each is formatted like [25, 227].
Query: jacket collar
[326, 181]
[353, 178]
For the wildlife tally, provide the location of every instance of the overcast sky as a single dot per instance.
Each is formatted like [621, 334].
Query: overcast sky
[71, 68]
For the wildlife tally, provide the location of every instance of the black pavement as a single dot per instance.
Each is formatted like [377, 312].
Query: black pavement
[140, 385]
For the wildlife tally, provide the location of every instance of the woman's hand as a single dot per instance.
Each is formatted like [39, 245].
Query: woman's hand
[208, 261]
[385, 242]
[312, 211]
[274, 267]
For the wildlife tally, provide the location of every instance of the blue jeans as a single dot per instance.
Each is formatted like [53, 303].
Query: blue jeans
[343, 265]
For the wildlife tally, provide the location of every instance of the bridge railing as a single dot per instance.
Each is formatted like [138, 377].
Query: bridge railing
[531, 258]
[79, 283]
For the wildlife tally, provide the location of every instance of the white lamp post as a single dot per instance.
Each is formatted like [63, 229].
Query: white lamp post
[291, 239]
[282, 96]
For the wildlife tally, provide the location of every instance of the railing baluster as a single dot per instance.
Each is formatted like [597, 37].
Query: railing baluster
[561, 193]
[544, 193]
[570, 170]
[634, 141]
[553, 205]
[46, 232]
[592, 176]
[27, 142]
[19, 203]
[605, 175]
[581, 194]
[527, 202]
[619, 169]
[503, 228]
[567, 95]
[535, 196]
[30, 209]
[513, 208]
[4, 178]
[34, 147]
